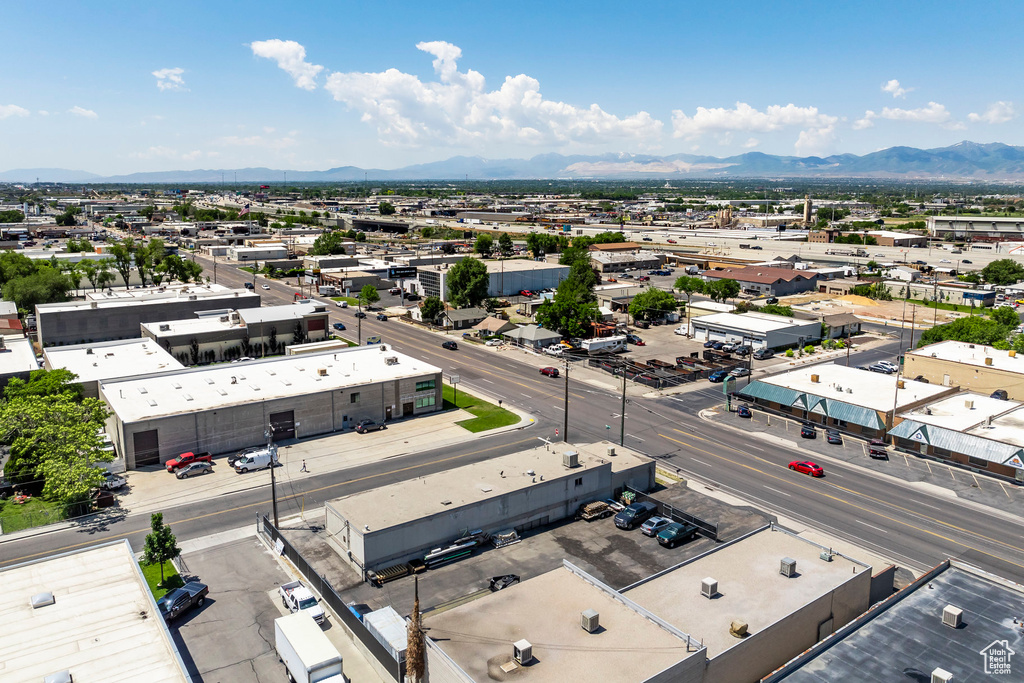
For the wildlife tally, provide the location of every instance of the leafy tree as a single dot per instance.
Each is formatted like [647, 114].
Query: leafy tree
[360, 237]
[1006, 316]
[78, 246]
[484, 245]
[873, 266]
[386, 208]
[328, 244]
[46, 285]
[426, 232]
[720, 290]
[775, 309]
[689, 286]
[13, 265]
[1003, 272]
[973, 330]
[876, 290]
[468, 283]
[542, 243]
[571, 311]
[973, 277]
[505, 244]
[11, 216]
[161, 545]
[431, 308]
[652, 304]
[368, 295]
[44, 383]
[123, 253]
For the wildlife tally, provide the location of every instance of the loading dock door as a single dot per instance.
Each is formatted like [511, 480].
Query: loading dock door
[283, 424]
[147, 448]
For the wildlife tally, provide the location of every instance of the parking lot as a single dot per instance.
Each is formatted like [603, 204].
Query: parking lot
[614, 556]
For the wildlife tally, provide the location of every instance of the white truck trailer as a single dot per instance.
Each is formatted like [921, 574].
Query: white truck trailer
[308, 656]
[603, 345]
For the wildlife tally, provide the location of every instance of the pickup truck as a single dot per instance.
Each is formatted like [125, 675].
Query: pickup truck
[192, 594]
[297, 597]
[187, 459]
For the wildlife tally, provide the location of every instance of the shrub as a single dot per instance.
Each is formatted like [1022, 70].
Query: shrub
[789, 353]
[809, 349]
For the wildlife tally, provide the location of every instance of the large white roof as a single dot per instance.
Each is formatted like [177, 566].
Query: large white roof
[105, 360]
[863, 388]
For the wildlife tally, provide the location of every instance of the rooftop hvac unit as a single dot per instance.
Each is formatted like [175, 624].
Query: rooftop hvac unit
[522, 651]
[165, 328]
[815, 379]
[223, 318]
[952, 616]
[590, 621]
[391, 360]
[900, 384]
[570, 459]
[611, 451]
[322, 372]
[825, 555]
[941, 676]
[969, 405]
[787, 567]
[988, 360]
[709, 587]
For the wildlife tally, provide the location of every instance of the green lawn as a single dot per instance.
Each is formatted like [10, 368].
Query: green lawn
[960, 308]
[247, 269]
[152, 574]
[36, 512]
[352, 301]
[487, 415]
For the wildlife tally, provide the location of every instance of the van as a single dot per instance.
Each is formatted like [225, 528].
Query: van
[255, 461]
[634, 515]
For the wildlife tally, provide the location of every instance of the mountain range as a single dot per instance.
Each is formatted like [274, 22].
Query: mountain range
[964, 160]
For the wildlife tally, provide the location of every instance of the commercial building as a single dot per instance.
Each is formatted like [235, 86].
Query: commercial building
[954, 623]
[766, 281]
[973, 430]
[980, 228]
[532, 336]
[17, 359]
[84, 615]
[401, 521]
[846, 398]
[760, 330]
[619, 261]
[840, 325]
[93, 363]
[506, 277]
[263, 252]
[118, 315]
[891, 238]
[614, 247]
[227, 407]
[974, 367]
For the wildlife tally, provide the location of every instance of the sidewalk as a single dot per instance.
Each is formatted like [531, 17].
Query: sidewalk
[938, 477]
[156, 490]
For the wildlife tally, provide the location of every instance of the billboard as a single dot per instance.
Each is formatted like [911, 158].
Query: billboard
[400, 272]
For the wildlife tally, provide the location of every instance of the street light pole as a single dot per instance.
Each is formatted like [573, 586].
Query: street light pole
[565, 409]
[273, 480]
[622, 413]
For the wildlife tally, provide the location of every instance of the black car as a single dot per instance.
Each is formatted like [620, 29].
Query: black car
[965, 261]
[808, 432]
[338, 326]
[175, 602]
[381, 316]
[1000, 394]
[635, 514]
[450, 345]
[718, 346]
[499, 582]
[878, 449]
[360, 314]
[744, 411]
[364, 426]
[709, 344]
[771, 300]
[742, 350]
[833, 437]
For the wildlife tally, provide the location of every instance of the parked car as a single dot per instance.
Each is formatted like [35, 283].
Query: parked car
[525, 292]
[177, 601]
[740, 372]
[364, 426]
[718, 376]
[112, 481]
[338, 326]
[296, 597]
[763, 354]
[707, 344]
[654, 525]
[450, 345]
[550, 372]
[878, 449]
[635, 340]
[878, 367]
[233, 458]
[615, 505]
[394, 290]
[744, 411]
[498, 583]
[187, 459]
[729, 347]
[718, 346]
[771, 300]
[675, 533]
[807, 467]
[643, 278]
[554, 350]
[264, 286]
[195, 469]
[635, 514]
[833, 437]
[966, 261]
[494, 342]
[808, 432]
[341, 304]
[257, 460]
[642, 324]
[889, 364]
[742, 350]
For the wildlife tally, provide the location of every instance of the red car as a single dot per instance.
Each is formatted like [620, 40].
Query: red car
[525, 292]
[807, 467]
[550, 372]
[174, 464]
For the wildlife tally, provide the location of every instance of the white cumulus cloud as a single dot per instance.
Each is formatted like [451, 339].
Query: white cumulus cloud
[8, 110]
[894, 88]
[170, 79]
[751, 143]
[83, 112]
[290, 57]
[932, 113]
[816, 129]
[256, 141]
[458, 109]
[997, 112]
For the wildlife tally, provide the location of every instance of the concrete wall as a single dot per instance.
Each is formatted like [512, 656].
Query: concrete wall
[232, 428]
[514, 282]
[689, 670]
[982, 379]
[763, 652]
[84, 324]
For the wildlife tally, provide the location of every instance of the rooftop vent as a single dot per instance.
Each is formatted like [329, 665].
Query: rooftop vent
[89, 352]
[94, 304]
[941, 676]
[522, 651]
[188, 397]
[787, 567]
[611, 451]
[41, 600]
[570, 459]
[815, 379]
[321, 372]
[988, 360]
[165, 328]
[969, 404]
[590, 621]
[59, 677]
[952, 616]
[709, 587]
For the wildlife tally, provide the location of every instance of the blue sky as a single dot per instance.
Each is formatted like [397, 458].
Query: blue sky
[121, 87]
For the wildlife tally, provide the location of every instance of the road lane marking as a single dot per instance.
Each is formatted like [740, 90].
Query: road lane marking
[700, 461]
[783, 493]
[635, 437]
[872, 526]
[1004, 490]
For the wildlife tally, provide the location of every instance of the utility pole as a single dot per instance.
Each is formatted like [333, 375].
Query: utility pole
[622, 415]
[273, 480]
[565, 409]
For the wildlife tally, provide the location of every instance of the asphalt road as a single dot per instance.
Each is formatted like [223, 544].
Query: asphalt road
[912, 525]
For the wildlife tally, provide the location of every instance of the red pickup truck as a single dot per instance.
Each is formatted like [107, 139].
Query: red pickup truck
[175, 464]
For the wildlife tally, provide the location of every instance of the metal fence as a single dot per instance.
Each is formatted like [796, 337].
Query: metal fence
[666, 510]
[321, 585]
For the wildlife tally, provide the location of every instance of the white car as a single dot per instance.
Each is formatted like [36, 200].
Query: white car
[555, 350]
[342, 304]
[681, 331]
[264, 286]
[494, 342]
[944, 260]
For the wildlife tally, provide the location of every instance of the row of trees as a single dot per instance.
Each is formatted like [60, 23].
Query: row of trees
[485, 245]
[716, 290]
[330, 243]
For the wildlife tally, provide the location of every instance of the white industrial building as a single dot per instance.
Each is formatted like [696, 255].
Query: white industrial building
[17, 359]
[507, 277]
[264, 252]
[93, 363]
[759, 330]
[229, 406]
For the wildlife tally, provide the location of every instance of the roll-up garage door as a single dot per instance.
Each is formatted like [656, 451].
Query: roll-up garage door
[283, 424]
[147, 448]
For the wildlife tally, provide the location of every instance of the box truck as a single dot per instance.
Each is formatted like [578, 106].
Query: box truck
[308, 656]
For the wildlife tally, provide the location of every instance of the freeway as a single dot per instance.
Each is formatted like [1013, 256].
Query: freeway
[913, 526]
